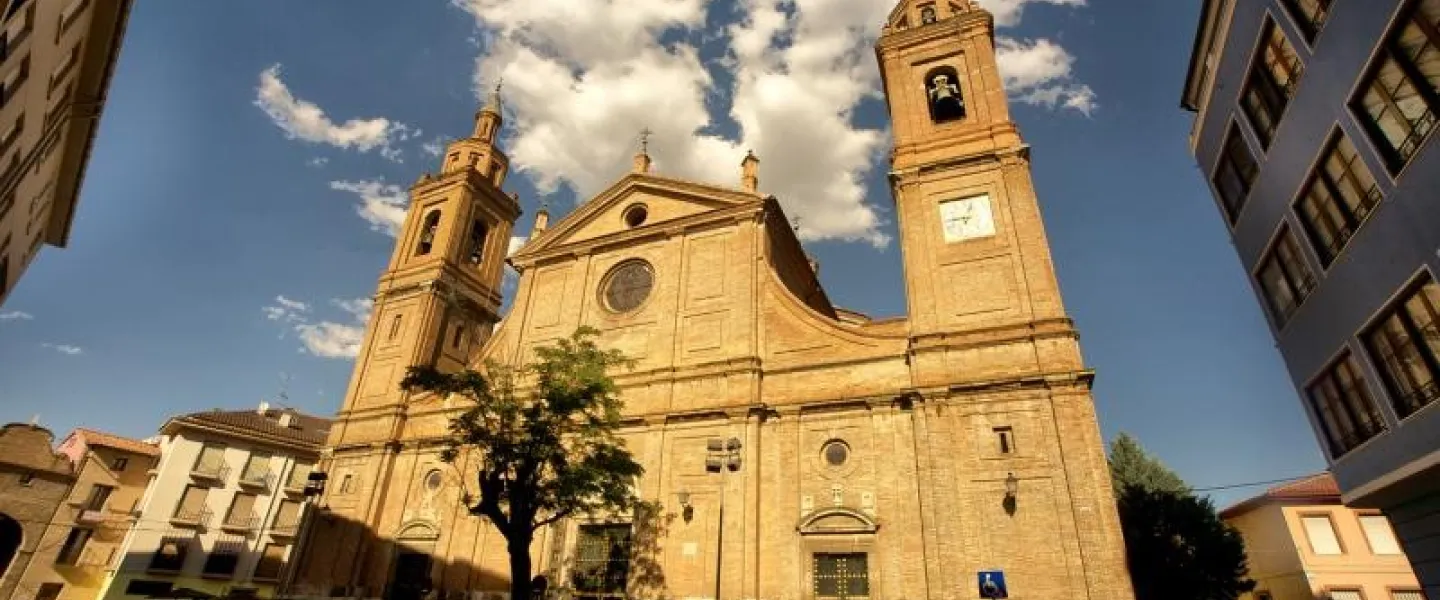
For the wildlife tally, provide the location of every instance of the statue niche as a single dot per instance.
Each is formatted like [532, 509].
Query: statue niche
[942, 91]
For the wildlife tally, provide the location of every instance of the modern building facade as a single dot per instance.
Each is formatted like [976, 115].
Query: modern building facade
[914, 457]
[1315, 126]
[56, 60]
[1301, 543]
[34, 481]
[85, 533]
[224, 505]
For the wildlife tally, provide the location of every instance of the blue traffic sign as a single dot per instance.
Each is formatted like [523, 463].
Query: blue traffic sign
[992, 584]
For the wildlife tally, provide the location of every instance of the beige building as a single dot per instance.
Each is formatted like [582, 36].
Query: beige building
[894, 458]
[34, 480]
[83, 538]
[56, 59]
[1303, 544]
[224, 505]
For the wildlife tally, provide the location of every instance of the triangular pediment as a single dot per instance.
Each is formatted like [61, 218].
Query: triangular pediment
[611, 213]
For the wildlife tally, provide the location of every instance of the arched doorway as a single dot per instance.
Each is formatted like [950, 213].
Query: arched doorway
[10, 536]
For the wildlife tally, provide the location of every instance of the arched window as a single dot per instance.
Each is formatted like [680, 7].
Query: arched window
[942, 92]
[927, 15]
[476, 250]
[10, 537]
[427, 233]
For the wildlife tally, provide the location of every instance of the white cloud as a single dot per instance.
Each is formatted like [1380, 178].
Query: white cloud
[16, 315]
[63, 348]
[1007, 12]
[516, 241]
[381, 204]
[326, 339]
[318, 161]
[434, 147]
[305, 120]
[1039, 72]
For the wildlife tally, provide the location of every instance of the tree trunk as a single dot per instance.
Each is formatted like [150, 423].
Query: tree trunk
[519, 547]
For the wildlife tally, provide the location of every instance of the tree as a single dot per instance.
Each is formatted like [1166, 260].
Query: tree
[544, 437]
[1177, 547]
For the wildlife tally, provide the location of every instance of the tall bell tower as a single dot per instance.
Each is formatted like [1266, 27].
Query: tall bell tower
[439, 298]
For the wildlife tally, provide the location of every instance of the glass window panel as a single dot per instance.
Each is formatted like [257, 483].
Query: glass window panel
[1378, 533]
[1407, 595]
[1405, 346]
[1345, 595]
[1321, 533]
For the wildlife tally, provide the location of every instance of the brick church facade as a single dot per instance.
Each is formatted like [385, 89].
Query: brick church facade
[893, 459]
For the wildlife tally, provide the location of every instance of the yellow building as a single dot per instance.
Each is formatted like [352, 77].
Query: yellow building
[907, 458]
[1303, 544]
[81, 544]
[56, 59]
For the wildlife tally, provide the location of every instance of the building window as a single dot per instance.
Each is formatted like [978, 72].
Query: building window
[62, 70]
[477, 242]
[49, 591]
[394, 328]
[298, 477]
[1284, 277]
[1320, 530]
[211, 462]
[74, 546]
[1344, 595]
[119, 463]
[1407, 595]
[1340, 195]
[1310, 15]
[836, 453]
[1405, 345]
[192, 507]
[602, 561]
[347, 483]
[69, 14]
[1379, 534]
[257, 469]
[98, 495]
[927, 14]
[13, 80]
[1234, 174]
[1346, 413]
[271, 562]
[170, 555]
[458, 337]
[27, 477]
[1398, 100]
[242, 511]
[223, 558]
[287, 517]
[427, 233]
[1271, 83]
[841, 576]
[1005, 440]
[11, 136]
[148, 588]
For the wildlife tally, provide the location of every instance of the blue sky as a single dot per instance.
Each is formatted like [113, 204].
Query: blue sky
[252, 154]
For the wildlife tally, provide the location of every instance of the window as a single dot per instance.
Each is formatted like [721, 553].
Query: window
[15, 7]
[1005, 440]
[1339, 197]
[58, 75]
[27, 477]
[842, 576]
[927, 14]
[1405, 345]
[211, 461]
[223, 558]
[1284, 277]
[836, 453]
[1398, 100]
[272, 561]
[1271, 83]
[298, 476]
[242, 511]
[74, 546]
[98, 495]
[257, 468]
[1379, 535]
[1234, 174]
[148, 588]
[287, 517]
[943, 95]
[347, 483]
[69, 14]
[636, 215]
[477, 242]
[13, 80]
[49, 591]
[1346, 414]
[627, 286]
[1309, 15]
[394, 327]
[119, 463]
[1344, 595]
[192, 507]
[427, 233]
[1321, 533]
[11, 136]
[1407, 595]
[602, 561]
[170, 554]
[458, 337]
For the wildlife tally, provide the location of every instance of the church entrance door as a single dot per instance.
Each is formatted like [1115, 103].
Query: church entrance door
[842, 576]
[412, 576]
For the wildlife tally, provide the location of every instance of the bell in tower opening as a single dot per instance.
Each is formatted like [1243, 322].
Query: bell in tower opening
[943, 91]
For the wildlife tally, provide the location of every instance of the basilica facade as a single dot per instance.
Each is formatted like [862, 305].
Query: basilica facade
[800, 451]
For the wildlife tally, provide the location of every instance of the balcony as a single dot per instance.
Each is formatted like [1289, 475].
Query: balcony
[90, 516]
[240, 523]
[285, 530]
[297, 482]
[256, 479]
[216, 472]
[191, 517]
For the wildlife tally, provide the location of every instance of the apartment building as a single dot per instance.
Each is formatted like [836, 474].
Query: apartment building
[1303, 544]
[1315, 128]
[84, 534]
[224, 505]
[34, 480]
[56, 61]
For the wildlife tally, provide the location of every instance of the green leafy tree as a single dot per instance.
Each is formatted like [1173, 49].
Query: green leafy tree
[544, 437]
[1177, 546]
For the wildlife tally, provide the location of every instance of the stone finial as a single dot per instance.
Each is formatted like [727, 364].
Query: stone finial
[642, 158]
[750, 172]
[542, 220]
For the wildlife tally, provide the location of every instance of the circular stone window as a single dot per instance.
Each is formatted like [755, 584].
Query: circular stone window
[627, 286]
[836, 453]
[635, 215]
[433, 480]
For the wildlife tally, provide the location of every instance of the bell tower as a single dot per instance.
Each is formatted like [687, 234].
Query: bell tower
[974, 247]
[439, 299]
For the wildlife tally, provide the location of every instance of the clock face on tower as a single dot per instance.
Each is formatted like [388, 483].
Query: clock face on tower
[967, 218]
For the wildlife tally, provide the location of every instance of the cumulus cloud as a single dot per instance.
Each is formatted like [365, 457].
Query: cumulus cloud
[1039, 72]
[16, 315]
[326, 339]
[66, 349]
[305, 120]
[381, 204]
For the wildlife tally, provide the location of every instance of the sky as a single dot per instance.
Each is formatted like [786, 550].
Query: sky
[252, 162]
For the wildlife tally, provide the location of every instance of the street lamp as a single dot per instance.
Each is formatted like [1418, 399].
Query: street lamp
[687, 511]
[1012, 488]
[721, 456]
